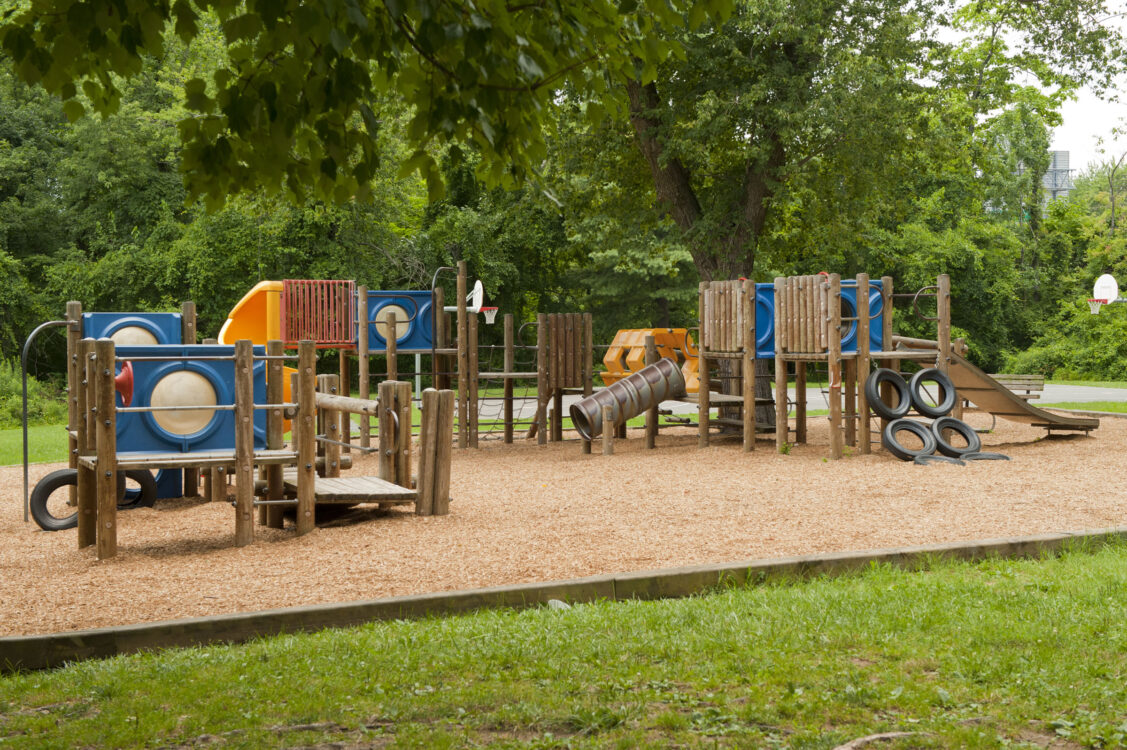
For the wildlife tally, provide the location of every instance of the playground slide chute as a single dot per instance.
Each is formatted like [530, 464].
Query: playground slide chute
[989, 395]
[257, 316]
[629, 397]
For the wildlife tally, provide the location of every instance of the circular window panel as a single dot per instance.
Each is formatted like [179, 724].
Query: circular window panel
[133, 336]
[401, 321]
[183, 388]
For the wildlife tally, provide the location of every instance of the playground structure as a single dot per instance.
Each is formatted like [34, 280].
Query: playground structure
[801, 321]
[192, 413]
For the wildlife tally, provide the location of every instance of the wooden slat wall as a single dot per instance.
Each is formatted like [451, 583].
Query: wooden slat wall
[722, 319]
[802, 311]
[567, 334]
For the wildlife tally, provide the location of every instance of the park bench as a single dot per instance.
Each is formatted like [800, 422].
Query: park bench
[1026, 387]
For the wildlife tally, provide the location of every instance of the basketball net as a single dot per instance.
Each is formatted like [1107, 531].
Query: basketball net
[1094, 305]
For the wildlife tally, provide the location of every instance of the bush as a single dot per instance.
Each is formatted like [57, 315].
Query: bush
[1082, 347]
[46, 403]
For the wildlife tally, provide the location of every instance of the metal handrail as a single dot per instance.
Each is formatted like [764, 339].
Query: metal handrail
[23, 372]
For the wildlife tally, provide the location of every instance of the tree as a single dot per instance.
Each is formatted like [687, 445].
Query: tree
[292, 105]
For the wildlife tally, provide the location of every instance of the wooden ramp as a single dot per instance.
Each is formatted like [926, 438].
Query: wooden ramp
[353, 490]
[989, 395]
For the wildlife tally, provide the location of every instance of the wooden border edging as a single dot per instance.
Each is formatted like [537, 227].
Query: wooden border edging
[56, 649]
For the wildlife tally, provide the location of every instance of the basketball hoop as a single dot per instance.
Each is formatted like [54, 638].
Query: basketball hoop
[1094, 305]
[490, 314]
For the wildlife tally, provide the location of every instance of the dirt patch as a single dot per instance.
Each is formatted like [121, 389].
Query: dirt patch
[524, 513]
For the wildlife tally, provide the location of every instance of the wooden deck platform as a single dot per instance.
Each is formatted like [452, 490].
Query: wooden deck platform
[353, 490]
[202, 459]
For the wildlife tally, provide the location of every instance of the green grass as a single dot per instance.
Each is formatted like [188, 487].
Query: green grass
[46, 443]
[1119, 407]
[991, 655]
[1091, 383]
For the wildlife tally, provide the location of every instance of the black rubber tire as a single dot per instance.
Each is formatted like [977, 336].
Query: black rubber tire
[974, 442]
[42, 493]
[143, 497]
[872, 393]
[944, 407]
[56, 480]
[919, 429]
[925, 460]
[986, 457]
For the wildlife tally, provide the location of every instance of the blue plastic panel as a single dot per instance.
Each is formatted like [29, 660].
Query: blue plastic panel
[765, 318]
[139, 431]
[420, 330]
[165, 327]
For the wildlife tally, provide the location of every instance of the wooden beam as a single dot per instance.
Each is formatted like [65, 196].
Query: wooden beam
[106, 431]
[781, 425]
[87, 489]
[864, 436]
[275, 388]
[244, 442]
[304, 428]
[364, 363]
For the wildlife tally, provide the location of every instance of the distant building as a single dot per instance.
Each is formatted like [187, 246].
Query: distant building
[1057, 181]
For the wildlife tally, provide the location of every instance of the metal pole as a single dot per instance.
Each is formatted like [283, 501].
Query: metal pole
[23, 369]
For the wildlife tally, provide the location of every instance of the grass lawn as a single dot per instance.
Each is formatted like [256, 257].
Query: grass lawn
[46, 444]
[989, 655]
[1119, 407]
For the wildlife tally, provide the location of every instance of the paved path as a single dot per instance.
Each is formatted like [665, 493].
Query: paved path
[1052, 394]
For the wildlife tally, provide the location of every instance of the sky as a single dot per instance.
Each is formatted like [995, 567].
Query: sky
[1085, 119]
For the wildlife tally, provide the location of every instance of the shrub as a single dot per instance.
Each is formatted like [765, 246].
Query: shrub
[46, 403]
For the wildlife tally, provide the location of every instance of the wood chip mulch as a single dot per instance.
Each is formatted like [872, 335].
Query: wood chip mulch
[523, 513]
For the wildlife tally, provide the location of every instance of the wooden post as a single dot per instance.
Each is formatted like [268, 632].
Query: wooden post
[403, 409]
[558, 376]
[444, 441]
[703, 404]
[364, 364]
[74, 335]
[887, 301]
[392, 337]
[473, 379]
[304, 436]
[608, 431]
[747, 300]
[275, 388]
[106, 431]
[588, 355]
[542, 394]
[833, 334]
[428, 435]
[217, 475]
[330, 424]
[781, 426]
[959, 345]
[863, 344]
[652, 412]
[509, 366]
[943, 307]
[800, 403]
[345, 389]
[849, 392]
[387, 430]
[438, 363]
[188, 336]
[244, 442]
[463, 360]
[86, 443]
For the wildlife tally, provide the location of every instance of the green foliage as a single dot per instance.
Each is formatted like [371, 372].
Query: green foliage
[1078, 345]
[46, 404]
[292, 101]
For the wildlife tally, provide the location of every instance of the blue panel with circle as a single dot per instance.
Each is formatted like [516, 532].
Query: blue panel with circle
[185, 382]
[133, 328]
[414, 320]
[765, 318]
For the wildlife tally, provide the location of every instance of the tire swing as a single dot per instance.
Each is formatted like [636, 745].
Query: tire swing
[959, 427]
[920, 430]
[877, 404]
[47, 519]
[946, 387]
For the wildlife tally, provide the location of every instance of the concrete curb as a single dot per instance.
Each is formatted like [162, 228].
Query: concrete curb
[55, 649]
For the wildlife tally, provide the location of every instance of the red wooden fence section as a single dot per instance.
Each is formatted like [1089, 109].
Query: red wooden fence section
[319, 310]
